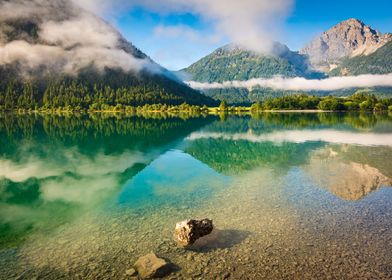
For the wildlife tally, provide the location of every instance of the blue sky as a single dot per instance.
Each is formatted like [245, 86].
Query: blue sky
[176, 38]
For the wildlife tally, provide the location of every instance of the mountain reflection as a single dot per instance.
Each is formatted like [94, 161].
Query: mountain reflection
[339, 169]
[358, 163]
[53, 169]
[172, 177]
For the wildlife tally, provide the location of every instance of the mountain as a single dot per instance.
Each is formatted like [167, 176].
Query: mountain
[349, 42]
[379, 62]
[349, 38]
[54, 53]
[233, 62]
[348, 48]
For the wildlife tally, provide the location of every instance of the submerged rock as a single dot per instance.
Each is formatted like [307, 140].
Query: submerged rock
[150, 266]
[187, 232]
[130, 272]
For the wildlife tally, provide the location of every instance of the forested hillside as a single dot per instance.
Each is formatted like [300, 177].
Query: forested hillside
[232, 62]
[61, 55]
[379, 62]
[94, 90]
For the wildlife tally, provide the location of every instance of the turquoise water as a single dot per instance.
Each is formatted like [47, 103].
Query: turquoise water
[292, 195]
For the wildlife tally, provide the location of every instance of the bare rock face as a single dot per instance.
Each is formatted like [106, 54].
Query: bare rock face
[187, 232]
[150, 266]
[348, 38]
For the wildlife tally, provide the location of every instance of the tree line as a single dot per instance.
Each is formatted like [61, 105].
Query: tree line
[78, 95]
[75, 95]
[359, 101]
[92, 89]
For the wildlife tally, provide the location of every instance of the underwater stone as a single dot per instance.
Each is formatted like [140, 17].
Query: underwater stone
[187, 232]
[150, 266]
[131, 272]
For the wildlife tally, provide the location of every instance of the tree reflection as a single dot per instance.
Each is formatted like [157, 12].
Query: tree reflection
[54, 168]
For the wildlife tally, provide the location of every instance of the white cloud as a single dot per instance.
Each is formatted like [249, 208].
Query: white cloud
[30, 55]
[86, 31]
[69, 39]
[281, 83]
[251, 23]
[26, 9]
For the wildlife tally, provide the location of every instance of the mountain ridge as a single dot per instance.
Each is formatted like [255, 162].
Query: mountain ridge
[378, 62]
[58, 42]
[233, 62]
[348, 38]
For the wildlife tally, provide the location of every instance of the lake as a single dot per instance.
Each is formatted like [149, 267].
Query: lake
[292, 195]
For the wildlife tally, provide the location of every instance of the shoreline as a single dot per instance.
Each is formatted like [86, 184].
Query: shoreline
[358, 102]
[210, 111]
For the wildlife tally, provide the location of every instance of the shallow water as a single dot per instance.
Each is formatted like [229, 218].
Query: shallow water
[292, 196]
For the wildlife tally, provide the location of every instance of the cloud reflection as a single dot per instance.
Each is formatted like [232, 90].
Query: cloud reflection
[68, 161]
[302, 136]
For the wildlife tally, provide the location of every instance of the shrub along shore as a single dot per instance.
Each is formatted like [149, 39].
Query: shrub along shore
[360, 101]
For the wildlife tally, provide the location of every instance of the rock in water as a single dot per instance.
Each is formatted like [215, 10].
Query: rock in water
[150, 266]
[130, 272]
[187, 232]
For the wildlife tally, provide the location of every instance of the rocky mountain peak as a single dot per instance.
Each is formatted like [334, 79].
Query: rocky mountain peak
[351, 37]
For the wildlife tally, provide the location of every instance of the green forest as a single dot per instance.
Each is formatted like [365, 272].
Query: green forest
[243, 96]
[76, 95]
[379, 62]
[94, 90]
[360, 101]
[233, 63]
